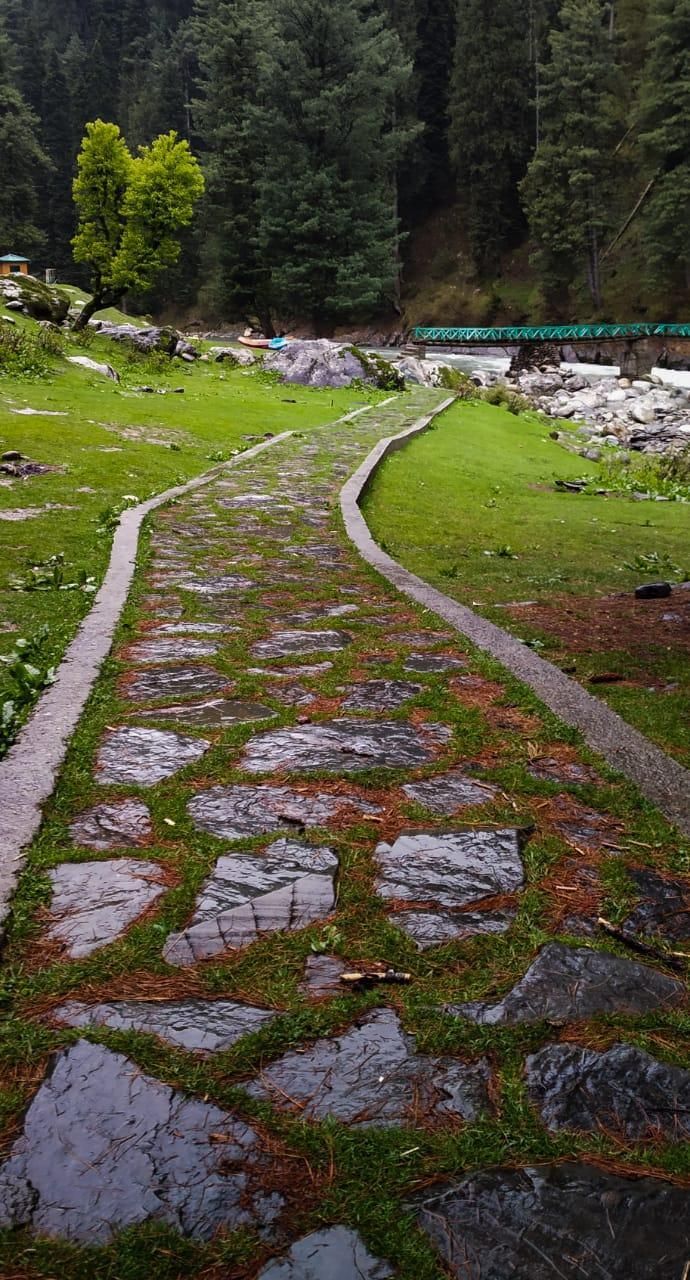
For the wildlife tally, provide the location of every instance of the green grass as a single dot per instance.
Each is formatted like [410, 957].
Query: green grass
[472, 508]
[113, 443]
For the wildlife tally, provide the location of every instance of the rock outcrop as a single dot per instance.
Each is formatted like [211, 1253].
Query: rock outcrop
[328, 364]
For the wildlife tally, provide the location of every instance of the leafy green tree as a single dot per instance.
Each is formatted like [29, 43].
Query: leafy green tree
[130, 211]
[328, 234]
[569, 183]
[23, 164]
[491, 126]
[665, 138]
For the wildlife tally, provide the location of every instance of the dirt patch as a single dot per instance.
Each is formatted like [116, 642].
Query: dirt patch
[586, 624]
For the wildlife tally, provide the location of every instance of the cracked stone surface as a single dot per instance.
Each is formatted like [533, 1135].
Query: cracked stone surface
[450, 792]
[106, 1147]
[434, 928]
[187, 628]
[286, 644]
[566, 983]
[380, 695]
[341, 746]
[174, 682]
[286, 888]
[433, 664]
[146, 756]
[664, 908]
[200, 1026]
[322, 976]
[450, 868]
[234, 812]
[561, 1220]
[214, 714]
[123, 824]
[567, 772]
[336, 1253]
[171, 649]
[93, 903]
[372, 1076]
[222, 584]
[622, 1089]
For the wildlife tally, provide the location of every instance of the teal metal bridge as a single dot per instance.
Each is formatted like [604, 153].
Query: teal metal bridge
[508, 336]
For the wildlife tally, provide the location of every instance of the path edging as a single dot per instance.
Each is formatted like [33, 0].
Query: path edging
[29, 770]
[660, 778]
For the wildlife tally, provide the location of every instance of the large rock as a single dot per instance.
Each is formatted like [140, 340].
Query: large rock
[34, 298]
[151, 338]
[105, 370]
[572, 1221]
[328, 364]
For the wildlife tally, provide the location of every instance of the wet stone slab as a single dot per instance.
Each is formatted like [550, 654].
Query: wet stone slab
[284, 889]
[435, 928]
[123, 824]
[623, 1090]
[171, 649]
[433, 664]
[220, 585]
[565, 772]
[372, 1076]
[94, 903]
[146, 756]
[450, 868]
[217, 713]
[199, 1026]
[286, 644]
[565, 984]
[233, 812]
[322, 976]
[337, 1253]
[664, 907]
[380, 695]
[191, 628]
[105, 1147]
[320, 613]
[342, 746]
[573, 1221]
[173, 682]
[450, 792]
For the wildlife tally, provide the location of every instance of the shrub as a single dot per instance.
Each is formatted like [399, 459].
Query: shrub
[506, 399]
[459, 382]
[28, 353]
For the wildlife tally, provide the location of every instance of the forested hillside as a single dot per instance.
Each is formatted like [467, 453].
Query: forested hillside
[365, 160]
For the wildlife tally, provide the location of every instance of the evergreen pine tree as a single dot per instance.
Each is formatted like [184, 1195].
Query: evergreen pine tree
[331, 73]
[433, 66]
[57, 139]
[23, 164]
[569, 183]
[665, 111]
[491, 127]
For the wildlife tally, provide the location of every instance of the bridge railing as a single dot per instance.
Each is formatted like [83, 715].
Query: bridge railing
[508, 335]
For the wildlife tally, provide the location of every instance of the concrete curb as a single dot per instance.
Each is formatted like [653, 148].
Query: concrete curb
[662, 780]
[29, 770]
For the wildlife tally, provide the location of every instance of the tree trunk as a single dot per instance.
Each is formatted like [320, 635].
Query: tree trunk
[99, 300]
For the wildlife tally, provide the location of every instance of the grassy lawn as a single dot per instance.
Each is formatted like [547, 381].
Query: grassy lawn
[471, 507]
[112, 444]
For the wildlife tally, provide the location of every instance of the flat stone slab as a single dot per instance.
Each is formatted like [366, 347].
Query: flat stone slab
[173, 682]
[337, 1253]
[217, 713]
[450, 792]
[192, 628]
[322, 976]
[105, 1147]
[450, 868]
[565, 984]
[664, 909]
[95, 902]
[286, 888]
[372, 1076]
[433, 664]
[573, 1221]
[341, 746]
[285, 644]
[435, 928]
[622, 1090]
[380, 695]
[200, 1026]
[218, 585]
[146, 756]
[566, 772]
[233, 812]
[123, 824]
[171, 649]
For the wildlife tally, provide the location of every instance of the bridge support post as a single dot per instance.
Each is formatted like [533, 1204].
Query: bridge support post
[534, 355]
[639, 356]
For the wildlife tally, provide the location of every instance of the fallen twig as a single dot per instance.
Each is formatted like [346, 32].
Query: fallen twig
[674, 959]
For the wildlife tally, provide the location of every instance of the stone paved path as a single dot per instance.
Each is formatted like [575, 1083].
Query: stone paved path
[294, 774]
